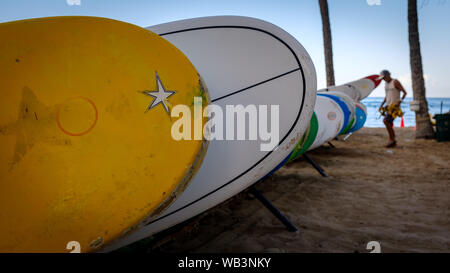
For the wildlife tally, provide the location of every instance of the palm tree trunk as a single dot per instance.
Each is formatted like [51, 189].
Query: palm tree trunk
[327, 42]
[423, 123]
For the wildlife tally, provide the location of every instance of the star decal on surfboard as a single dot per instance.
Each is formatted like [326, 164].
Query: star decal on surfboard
[160, 96]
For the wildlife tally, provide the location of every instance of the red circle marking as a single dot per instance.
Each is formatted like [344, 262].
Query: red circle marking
[84, 132]
[331, 115]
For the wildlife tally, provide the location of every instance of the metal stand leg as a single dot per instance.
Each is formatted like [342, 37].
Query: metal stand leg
[347, 136]
[331, 144]
[273, 209]
[315, 165]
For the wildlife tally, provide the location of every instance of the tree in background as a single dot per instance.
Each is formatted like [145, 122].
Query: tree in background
[327, 42]
[423, 123]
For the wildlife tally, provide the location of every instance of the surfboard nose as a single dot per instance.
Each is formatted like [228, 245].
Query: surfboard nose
[375, 79]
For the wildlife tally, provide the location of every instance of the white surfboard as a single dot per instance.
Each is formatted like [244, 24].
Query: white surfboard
[330, 118]
[242, 61]
[358, 89]
[347, 99]
[348, 90]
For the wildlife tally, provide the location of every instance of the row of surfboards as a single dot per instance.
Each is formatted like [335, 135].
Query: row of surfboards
[338, 111]
[88, 159]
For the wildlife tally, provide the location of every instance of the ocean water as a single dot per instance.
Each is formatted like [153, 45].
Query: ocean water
[374, 119]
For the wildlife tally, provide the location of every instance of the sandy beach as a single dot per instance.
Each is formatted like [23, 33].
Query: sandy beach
[398, 196]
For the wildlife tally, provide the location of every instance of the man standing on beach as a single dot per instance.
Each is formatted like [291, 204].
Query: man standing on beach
[392, 100]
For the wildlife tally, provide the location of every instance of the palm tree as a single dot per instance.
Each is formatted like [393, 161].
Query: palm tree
[327, 41]
[423, 123]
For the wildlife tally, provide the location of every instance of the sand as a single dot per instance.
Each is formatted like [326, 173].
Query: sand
[399, 197]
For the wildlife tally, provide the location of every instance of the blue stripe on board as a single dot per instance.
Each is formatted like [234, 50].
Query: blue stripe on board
[343, 106]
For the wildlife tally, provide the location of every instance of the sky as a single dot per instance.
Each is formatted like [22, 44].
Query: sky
[368, 35]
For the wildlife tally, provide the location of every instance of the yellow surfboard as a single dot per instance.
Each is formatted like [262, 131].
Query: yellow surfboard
[86, 152]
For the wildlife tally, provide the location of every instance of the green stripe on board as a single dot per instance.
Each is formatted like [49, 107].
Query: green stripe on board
[306, 142]
[349, 126]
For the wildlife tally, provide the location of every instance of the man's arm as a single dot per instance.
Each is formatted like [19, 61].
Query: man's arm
[382, 104]
[399, 86]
